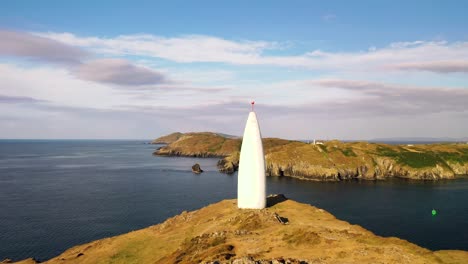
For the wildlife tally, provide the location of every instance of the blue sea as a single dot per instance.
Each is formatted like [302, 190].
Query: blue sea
[55, 194]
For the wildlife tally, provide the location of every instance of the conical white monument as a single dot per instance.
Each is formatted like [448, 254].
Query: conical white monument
[251, 184]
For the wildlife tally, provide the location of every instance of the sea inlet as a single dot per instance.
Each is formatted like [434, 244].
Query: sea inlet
[59, 193]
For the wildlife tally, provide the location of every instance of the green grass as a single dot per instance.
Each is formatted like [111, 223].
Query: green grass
[411, 159]
[455, 157]
[123, 257]
[348, 152]
[387, 152]
[302, 237]
[323, 148]
[128, 254]
[217, 147]
[418, 159]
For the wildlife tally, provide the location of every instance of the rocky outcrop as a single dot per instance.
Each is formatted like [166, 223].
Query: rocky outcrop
[196, 168]
[222, 233]
[229, 164]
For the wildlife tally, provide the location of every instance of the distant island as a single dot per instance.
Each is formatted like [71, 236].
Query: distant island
[327, 161]
[284, 232]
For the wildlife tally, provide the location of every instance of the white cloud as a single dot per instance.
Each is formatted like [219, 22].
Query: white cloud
[197, 48]
[118, 71]
[88, 93]
[189, 48]
[62, 88]
[31, 47]
[28, 46]
[436, 66]
[57, 86]
[79, 109]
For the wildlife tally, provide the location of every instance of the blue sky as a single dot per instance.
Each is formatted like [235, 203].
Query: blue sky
[334, 69]
[329, 25]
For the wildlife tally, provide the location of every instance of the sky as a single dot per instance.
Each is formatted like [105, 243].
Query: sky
[351, 70]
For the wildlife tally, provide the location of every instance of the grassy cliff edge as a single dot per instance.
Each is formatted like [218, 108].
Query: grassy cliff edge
[222, 233]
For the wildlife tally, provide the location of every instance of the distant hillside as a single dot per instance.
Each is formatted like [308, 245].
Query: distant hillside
[175, 136]
[203, 144]
[167, 139]
[222, 233]
[420, 139]
[333, 160]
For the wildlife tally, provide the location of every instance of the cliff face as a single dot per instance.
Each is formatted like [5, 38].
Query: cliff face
[284, 231]
[339, 161]
[333, 160]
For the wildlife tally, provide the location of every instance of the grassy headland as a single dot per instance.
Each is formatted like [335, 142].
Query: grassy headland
[334, 160]
[221, 232]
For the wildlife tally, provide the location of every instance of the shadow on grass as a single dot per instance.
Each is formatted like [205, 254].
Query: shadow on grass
[275, 199]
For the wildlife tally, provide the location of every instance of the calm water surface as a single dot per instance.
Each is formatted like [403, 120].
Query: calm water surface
[57, 194]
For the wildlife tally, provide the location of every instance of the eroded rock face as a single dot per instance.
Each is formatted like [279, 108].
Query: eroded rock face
[381, 169]
[167, 151]
[226, 166]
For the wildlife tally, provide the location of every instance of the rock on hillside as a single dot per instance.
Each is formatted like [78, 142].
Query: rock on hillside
[221, 232]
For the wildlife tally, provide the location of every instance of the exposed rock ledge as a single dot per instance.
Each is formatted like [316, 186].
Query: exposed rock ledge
[333, 160]
[222, 233]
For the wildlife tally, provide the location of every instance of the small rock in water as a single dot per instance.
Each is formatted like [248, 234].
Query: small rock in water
[196, 168]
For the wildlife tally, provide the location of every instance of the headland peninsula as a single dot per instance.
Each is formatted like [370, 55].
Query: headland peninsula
[329, 160]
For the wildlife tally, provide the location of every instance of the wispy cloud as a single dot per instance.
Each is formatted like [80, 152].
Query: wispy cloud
[191, 48]
[372, 99]
[377, 98]
[26, 45]
[5, 99]
[83, 64]
[118, 71]
[188, 49]
[83, 79]
[436, 66]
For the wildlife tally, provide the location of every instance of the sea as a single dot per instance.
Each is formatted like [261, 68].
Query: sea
[55, 194]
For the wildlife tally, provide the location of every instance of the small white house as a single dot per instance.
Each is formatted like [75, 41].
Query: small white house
[317, 142]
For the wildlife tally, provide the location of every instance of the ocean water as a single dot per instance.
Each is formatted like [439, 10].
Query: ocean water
[61, 193]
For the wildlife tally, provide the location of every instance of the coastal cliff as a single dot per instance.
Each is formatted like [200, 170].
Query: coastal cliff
[284, 232]
[332, 160]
